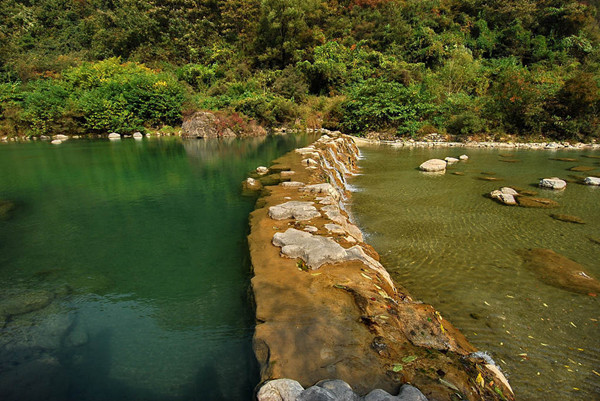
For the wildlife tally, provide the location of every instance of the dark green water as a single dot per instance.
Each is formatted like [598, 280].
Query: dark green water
[142, 248]
[457, 250]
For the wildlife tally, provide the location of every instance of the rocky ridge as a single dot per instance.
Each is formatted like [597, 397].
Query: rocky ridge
[327, 309]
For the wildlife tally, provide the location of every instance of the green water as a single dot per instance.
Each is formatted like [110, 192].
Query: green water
[452, 247]
[143, 246]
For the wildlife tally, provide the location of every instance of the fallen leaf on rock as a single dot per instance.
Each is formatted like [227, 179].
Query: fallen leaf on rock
[397, 367]
[408, 359]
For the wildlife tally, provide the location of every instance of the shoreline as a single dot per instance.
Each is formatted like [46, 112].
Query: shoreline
[327, 309]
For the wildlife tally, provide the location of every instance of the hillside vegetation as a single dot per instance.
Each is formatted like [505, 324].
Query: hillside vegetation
[405, 67]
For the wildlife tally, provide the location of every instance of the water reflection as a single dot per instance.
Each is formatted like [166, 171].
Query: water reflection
[124, 270]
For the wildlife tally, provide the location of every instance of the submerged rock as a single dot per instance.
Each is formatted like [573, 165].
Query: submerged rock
[559, 271]
[292, 184]
[26, 302]
[563, 159]
[568, 218]
[553, 183]
[582, 168]
[280, 390]
[316, 393]
[294, 210]
[433, 165]
[489, 178]
[6, 207]
[340, 389]
[530, 201]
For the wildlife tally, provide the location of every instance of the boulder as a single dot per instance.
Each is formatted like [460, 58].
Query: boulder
[280, 390]
[340, 389]
[61, 137]
[410, 393]
[316, 393]
[592, 181]
[433, 165]
[451, 160]
[507, 199]
[463, 157]
[553, 183]
[379, 395]
[138, 135]
[56, 142]
[200, 124]
[294, 210]
[559, 271]
[114, 135]
[509, 191]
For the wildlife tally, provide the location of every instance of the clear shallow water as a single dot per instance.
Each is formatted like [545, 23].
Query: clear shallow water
[452, 247]
[142, 246]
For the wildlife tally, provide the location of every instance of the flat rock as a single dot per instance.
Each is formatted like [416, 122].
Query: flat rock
[315, 250]
[335, 228]
[530, 201]
[559, 271]
[591, 181]
[509, 191]
[294, 210]
[311, 229]
[262, 170]
[504, 198]
[6, 207]
[25, 302]
[463, 157]
[433, 165]
[553, 183]
[292, 184]
[563, 159]
[56, 142]
[582, 168]
[451, 160]
[340, 389]
[324, 188]
[489, 178]
[280, 390]
[567, 218]
[288, 173]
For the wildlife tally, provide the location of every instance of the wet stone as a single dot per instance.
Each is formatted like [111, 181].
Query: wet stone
[380, 395]
[316, 393]
[280, 390]
[582, 168]
[553, 183]
[568, 218]
[530, 201]
[294, 209]
[340, 390]
[433, 165]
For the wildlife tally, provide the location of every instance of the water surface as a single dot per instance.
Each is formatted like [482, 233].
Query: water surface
[451, 247]
[142, 246]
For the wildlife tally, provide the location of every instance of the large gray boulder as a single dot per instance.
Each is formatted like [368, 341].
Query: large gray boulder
[280, 390]
[379, 395]
[316, 393]
[553, 183]
[294, 210]
[433, 165]
[201, 124]
[340, 389]
[410, 393]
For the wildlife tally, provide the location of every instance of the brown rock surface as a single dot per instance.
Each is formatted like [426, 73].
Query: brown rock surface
[559, 271]
[347, 320]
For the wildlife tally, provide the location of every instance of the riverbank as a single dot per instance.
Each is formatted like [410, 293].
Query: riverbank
[327, 309]
[479, 144]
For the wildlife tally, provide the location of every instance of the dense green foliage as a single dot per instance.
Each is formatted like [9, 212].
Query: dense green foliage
[407, 67]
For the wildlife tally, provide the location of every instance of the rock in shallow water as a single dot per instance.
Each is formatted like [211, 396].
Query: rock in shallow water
[316, 393]
[591, 181]
[530, 201]
[433, 165]
[553, 183]
[567, 218]
[559, 271]
[340, 389]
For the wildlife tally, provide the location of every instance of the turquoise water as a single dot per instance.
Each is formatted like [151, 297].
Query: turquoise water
[141, 248]
[457, 250]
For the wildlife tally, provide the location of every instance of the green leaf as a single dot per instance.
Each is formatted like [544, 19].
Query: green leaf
[397, 367]
[408, 359]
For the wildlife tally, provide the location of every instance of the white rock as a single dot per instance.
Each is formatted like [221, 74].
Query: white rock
[61, 137]
[280, 390]
[350, 239]
[292, 184]
[335, 228]
[451, 160]
[56, 142]
[114, 135]
[262, 170]
[592, 181]
[309, 162]
[509, 191]
[311, 229]
[324, 188]
[553, 183]
[294, 209]
[433, 165]
[138, 135]
[463, 157]
[288, 173]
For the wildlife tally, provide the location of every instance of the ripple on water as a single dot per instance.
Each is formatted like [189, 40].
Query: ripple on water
[452, 247]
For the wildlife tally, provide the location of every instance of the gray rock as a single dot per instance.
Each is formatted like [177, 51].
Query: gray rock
[410, 393]
[313, 249]
[316, 393]
[340, 389]
[292, 184]
[335, 228]
[379, 395]
[280, 390]
[201, 124]
[294, 210]
[433, 165]
[553, 183]
[592, 181]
